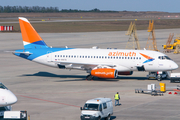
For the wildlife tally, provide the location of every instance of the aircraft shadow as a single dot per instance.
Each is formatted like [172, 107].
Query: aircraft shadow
[82, 77]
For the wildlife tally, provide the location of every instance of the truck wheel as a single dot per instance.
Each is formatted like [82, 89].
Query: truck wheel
[99, 118]
[109, 117]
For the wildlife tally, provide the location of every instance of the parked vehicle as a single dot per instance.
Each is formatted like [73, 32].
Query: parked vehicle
[158, 75]
[96, 109]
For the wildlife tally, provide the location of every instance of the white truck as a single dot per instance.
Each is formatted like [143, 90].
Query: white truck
[15, 115]
[96, 109]
[175, 77]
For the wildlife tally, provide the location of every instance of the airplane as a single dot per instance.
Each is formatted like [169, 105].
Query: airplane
[101, 63]
[7, 98]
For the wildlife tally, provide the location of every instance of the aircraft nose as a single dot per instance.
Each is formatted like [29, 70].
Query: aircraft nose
[11, 99]
[174, 66]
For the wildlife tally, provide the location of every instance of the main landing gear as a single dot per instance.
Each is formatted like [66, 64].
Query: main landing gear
[89, 77]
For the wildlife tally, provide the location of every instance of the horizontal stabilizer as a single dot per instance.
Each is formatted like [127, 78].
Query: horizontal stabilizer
[26, 53]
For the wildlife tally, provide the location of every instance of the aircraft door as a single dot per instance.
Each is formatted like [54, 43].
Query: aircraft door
[150, 64]
[49, 56]
[162, 63]
[101, 110]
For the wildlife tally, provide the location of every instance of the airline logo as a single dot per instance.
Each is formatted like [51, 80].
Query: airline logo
[149, 59]
[130, 54]
[104, 73]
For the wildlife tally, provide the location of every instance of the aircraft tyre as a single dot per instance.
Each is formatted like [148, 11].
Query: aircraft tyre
[159, 78]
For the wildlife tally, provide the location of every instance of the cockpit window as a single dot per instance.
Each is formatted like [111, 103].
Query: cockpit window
[2, 86]
[164, 58]
[167, 57]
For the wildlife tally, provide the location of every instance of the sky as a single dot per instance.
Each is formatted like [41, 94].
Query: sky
[117, 5]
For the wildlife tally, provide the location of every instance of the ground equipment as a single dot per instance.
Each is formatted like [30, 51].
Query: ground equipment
[175, 46]
[151, 43]
[133, 42]
[168, 47]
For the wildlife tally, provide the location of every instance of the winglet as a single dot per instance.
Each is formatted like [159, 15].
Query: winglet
[31, 38]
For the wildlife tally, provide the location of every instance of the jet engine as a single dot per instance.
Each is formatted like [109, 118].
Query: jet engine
[104, 73]
[125, 73]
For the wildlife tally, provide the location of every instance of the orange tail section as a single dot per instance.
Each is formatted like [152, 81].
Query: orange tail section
[31, 38]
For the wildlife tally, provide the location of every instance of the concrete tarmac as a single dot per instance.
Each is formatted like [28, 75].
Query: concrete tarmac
[52, 94]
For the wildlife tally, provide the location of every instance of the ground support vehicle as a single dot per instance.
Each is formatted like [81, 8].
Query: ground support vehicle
[158, 75]
[175, 77]
[96, 109]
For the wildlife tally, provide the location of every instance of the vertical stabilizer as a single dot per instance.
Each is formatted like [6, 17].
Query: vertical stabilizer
[31, 38]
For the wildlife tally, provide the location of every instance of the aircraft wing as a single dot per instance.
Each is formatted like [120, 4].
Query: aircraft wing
[86, 66]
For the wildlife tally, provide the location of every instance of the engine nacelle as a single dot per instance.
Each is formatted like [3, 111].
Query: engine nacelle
[125, 73]
[104, 73]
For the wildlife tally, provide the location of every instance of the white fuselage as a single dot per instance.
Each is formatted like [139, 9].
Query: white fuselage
[122, 60]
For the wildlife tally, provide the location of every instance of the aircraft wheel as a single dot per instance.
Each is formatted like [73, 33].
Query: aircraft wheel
[159, 78]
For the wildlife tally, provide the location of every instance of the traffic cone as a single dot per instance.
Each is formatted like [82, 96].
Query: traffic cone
[170, 93]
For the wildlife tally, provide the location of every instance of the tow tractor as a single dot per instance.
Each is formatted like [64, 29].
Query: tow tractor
[159, 75]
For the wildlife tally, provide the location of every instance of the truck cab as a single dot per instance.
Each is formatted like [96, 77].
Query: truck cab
[96, 109]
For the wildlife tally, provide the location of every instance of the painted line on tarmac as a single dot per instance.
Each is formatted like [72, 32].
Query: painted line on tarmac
[49, 101]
